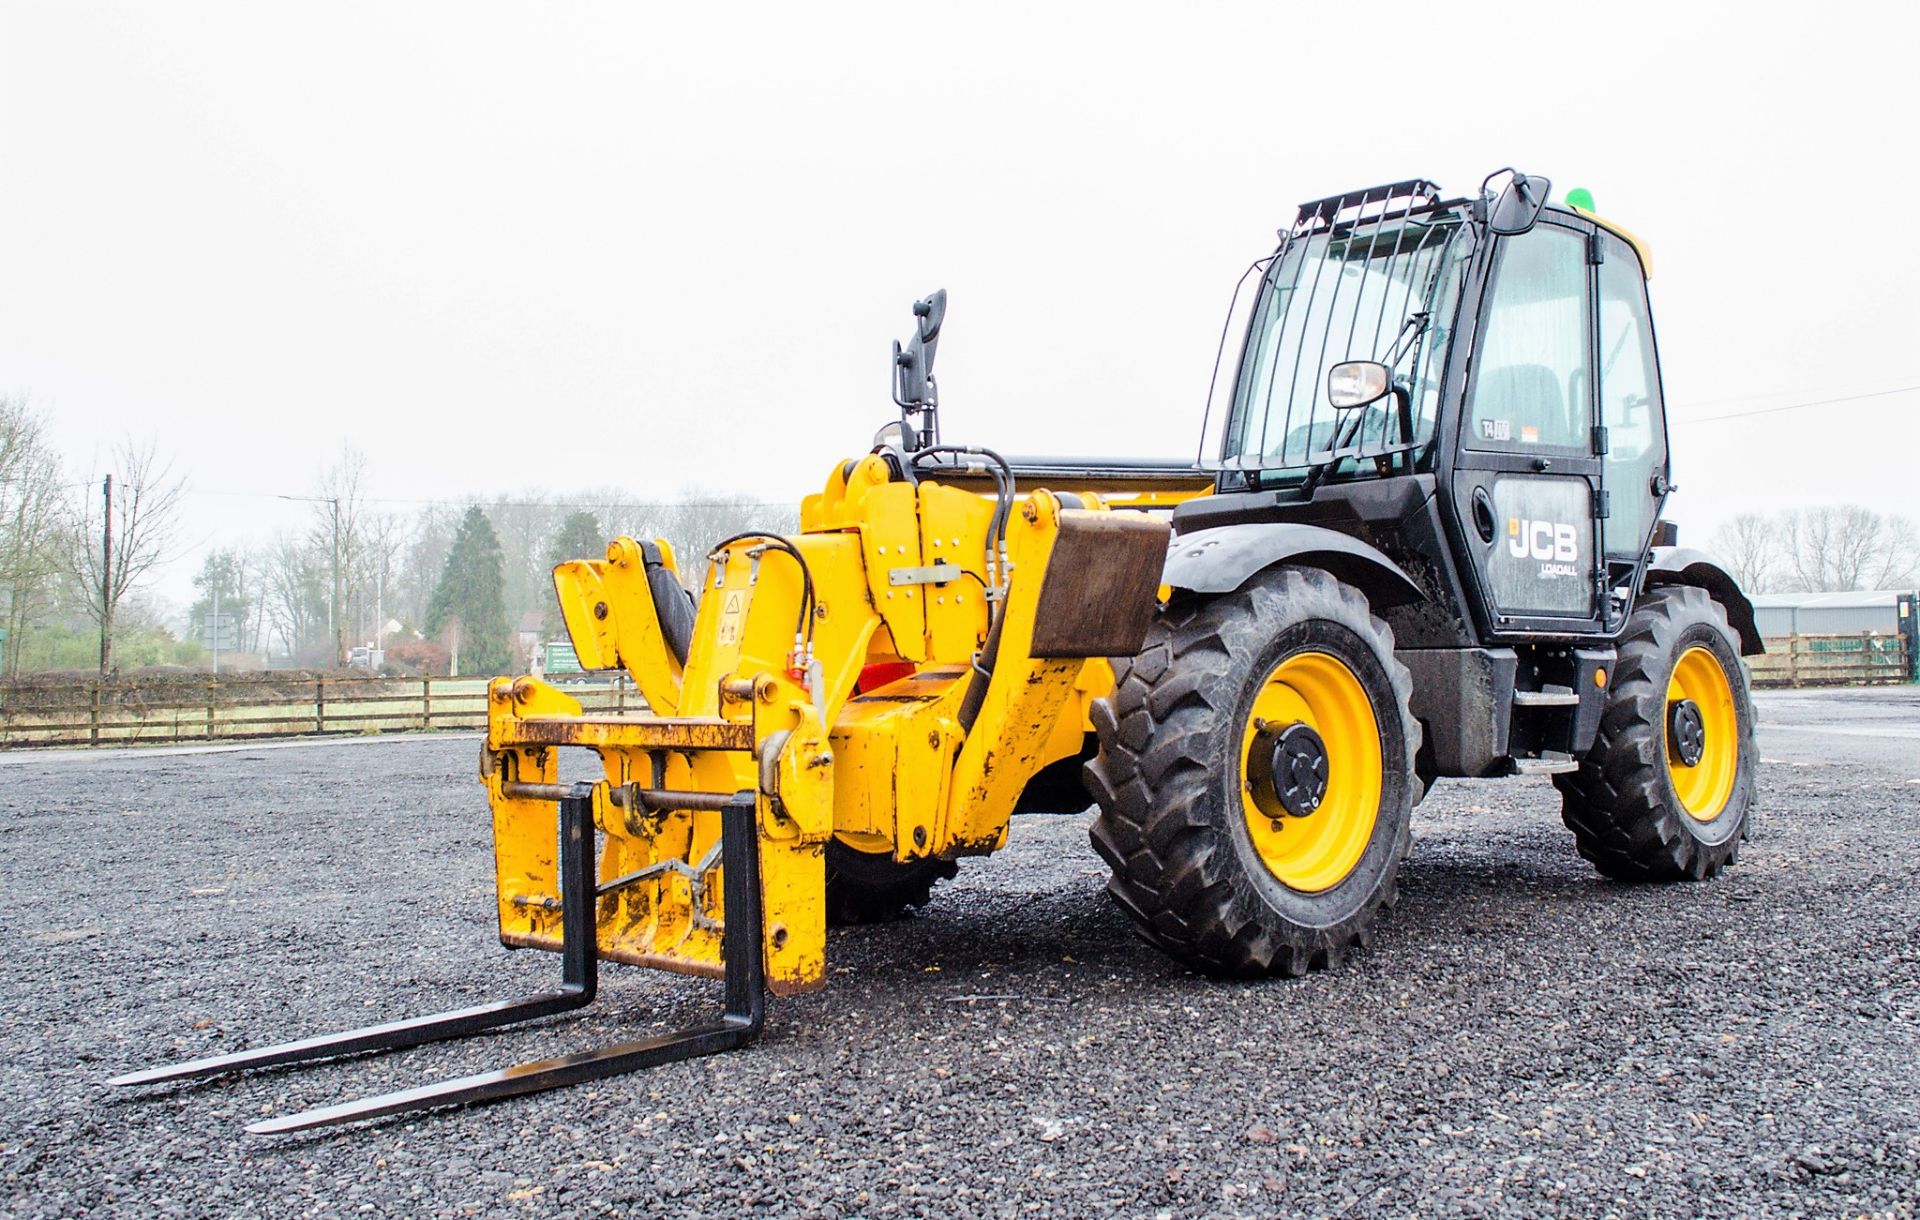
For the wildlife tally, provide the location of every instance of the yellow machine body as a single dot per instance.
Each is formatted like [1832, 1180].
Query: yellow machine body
[906, 578]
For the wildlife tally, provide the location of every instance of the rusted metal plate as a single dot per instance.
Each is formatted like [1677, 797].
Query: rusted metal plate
[632, 732]
[1132, 483]
[626, 796]
[1101, 586]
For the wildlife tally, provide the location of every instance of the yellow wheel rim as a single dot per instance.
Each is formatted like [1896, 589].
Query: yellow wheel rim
[1705, 787]
[1317, 852]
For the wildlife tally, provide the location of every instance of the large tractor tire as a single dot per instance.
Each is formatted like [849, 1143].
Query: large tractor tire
[1255, 776]
[1666, 791]
[864, 887]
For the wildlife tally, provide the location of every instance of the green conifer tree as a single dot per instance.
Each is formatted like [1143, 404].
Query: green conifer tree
[579, 537]
[468, 609]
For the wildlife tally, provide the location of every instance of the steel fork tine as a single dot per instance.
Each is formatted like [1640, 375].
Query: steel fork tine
[740, 1021]
[579, 974]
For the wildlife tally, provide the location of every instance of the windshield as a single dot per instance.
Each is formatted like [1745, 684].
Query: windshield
[1381, 292]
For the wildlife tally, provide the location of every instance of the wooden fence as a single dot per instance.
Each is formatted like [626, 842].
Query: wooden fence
[239, 708]
[1865, 659]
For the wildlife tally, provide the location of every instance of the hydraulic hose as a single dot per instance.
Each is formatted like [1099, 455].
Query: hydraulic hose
[1003, 501]
[803, 629]
[982, 675]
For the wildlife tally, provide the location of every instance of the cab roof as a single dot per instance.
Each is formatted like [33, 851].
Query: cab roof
[1639, 246]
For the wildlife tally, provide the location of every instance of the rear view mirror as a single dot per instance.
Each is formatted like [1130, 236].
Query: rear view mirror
[1519, 204]
[1356, 383]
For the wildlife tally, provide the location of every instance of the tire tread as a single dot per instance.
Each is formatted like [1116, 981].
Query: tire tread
[1174, 867]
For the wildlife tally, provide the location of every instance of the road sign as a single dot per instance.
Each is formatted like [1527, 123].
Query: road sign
[220, 632]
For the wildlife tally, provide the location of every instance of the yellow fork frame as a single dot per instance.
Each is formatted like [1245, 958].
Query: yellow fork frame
[889, 770]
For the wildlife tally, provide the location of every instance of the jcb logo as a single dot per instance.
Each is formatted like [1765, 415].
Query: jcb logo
[1542, 539]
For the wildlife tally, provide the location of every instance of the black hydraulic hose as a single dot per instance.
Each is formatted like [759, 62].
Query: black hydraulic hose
[805, 626]
[1002, 473]
[982, 676]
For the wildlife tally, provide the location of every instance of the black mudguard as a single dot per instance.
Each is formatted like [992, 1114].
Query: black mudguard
[1224, 557]
[1681, 565]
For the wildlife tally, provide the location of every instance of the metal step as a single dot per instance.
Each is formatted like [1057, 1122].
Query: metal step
[1549, 764]
[1552, 696]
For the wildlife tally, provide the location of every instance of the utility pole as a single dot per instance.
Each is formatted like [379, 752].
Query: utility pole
[333, 611]
[216, 621]
[106, 576]
[335, 627]
[380, 614]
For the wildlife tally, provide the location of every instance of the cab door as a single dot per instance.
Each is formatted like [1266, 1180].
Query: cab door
[1631, 410]
[1526, 477]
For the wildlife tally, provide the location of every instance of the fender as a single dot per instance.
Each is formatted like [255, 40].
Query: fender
[1681, 565]
[1224, 557]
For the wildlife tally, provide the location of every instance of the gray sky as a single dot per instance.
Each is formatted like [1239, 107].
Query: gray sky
[506, 248]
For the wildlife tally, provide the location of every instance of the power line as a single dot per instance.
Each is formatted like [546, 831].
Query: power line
[505, 501]
[1798, 406]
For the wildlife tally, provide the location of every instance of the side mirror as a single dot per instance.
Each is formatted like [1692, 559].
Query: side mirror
[1357, 383]
[1519, 204]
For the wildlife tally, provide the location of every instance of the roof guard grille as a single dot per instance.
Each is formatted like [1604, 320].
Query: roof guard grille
[1351, 208]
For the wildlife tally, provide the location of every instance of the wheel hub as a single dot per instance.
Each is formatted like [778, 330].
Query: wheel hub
[1686, 732]
[1288, 769]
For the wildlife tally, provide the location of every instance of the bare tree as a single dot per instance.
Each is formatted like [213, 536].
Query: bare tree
[1845, 546]
[120, 530]
[382, 542]
[1750, 547]
[701, 518]
[423, 554]
[339, 505]
[31, 511]
[294, 584]
[523, 525]
[254, 564]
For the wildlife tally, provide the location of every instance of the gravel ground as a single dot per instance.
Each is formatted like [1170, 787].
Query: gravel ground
[1524, 1039]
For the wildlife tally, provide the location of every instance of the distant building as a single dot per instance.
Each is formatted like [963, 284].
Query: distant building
[1883, 611]
[526, 640]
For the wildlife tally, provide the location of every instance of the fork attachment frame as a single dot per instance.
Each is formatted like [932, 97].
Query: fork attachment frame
[739, 1022]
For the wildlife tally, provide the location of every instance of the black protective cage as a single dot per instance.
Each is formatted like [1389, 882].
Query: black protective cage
[1330, 219]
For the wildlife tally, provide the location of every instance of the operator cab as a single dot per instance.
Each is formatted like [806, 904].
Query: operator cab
[1514, 459]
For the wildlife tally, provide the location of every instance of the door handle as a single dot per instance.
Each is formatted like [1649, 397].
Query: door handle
[1483, 514]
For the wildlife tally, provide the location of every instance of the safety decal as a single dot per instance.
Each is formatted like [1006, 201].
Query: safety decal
[731, 615]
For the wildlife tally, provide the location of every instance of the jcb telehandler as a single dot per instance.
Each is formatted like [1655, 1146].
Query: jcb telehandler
[1423, 540]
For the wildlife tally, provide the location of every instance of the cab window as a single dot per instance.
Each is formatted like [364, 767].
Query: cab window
[1531, 383]
[1630, 404]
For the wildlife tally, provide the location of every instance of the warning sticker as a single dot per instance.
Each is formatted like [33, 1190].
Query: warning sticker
[732, 616]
